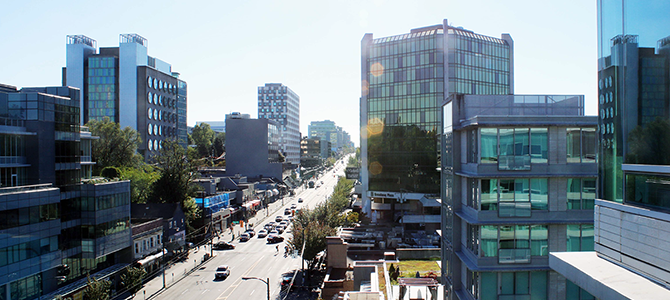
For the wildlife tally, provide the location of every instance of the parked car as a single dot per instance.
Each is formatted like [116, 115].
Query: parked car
[274, 239]
[299, 200]
[244, 237]
[250, 232]
[223, 246]
[262, 233]
[222, 272]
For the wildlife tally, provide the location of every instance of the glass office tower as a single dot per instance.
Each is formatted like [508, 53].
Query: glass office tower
[632, 219]
[405, 79]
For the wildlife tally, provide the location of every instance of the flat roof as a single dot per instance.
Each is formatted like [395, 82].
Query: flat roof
[604, 279]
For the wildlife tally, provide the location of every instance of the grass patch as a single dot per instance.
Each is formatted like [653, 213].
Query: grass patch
[382, 281]
[408, 268]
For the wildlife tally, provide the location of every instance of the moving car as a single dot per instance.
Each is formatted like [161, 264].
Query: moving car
[223, 246]
[273, 232]
[287, 211]
[270, 225]
[250, 232]
[222, 272]
[293, 206]
[299, 200]
[280, 229]
[244, 237]
[274, 239]
[262, 233]
[279, 218]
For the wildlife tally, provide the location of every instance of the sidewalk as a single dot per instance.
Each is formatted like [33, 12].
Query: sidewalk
[178, 270]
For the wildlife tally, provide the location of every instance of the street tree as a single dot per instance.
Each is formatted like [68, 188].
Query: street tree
[132, 279]
[115, 147]
[219, 144]
[176, 173]
[97, 289]
[313, 235]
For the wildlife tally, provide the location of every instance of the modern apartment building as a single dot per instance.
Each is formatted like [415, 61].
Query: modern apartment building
[53, 216]
[279, 103]
[130, 87]
[519, 181]
[405, 79]
[632, 219]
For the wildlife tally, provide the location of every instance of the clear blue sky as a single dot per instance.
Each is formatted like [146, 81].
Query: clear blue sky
[226, 49]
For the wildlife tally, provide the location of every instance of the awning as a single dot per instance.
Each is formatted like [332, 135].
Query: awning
[151, 258]
[430, 202]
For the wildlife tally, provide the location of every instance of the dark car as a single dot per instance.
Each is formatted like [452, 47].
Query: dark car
[278, 219]
[223, 246]
[287, 211]
[299, 200]
[274, 239]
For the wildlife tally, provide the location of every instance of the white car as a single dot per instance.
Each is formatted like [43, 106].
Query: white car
[222, 272]
[262, 233]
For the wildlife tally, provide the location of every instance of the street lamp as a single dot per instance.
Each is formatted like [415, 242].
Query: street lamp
[267, 282]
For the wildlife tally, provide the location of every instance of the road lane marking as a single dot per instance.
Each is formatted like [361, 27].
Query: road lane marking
[238, 281]
[205, 291]
[184, 291]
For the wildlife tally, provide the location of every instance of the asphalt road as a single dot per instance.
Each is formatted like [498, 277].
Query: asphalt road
[254, 258]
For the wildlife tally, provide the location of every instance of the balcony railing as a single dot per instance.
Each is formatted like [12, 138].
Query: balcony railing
[513, 256]
[12, 160]
[514, 209]
[513, 162]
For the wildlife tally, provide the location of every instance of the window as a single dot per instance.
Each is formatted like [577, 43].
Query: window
[581, 145]
[581, 193]
[473, 238]
[580, 237]
[573, 291]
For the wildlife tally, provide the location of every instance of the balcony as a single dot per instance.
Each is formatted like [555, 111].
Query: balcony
[514, 256]
[407, 218]
[514, 209]
[514, 162]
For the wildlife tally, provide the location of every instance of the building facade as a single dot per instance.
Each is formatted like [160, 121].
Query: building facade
[519, 181]
[327, 130]
[252, 148]
[405, 80]
[56, 215]
[279, 103]
[128, 86]
[632, 222]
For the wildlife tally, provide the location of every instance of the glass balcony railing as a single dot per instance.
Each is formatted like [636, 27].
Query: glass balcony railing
[513, 256]
[12, 160]
[513, 162]
[514, 209]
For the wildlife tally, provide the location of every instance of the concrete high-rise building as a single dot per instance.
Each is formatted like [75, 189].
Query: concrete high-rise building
[518, 182]
[405, 79]
[632, 219]
[279, 103]
[252, 147]
[130, 87]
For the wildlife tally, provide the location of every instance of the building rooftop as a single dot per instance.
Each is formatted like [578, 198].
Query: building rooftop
[603, 279]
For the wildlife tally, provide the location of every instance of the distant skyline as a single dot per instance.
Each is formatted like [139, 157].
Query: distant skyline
[225, 50]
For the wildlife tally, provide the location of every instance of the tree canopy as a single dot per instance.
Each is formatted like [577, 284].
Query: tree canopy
[97, 289]
[115, 147]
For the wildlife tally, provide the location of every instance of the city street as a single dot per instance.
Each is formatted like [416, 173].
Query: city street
[254, 258]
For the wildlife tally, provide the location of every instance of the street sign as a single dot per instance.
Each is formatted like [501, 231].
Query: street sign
[352, 172]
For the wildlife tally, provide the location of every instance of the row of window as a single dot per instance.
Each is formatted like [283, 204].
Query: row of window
[28, 215]
[527, 193]
[23, 251]
[148, 243]
[409, 45]
[104, 229]
[423, 102]
[479, 46]
[412, 89]
[408, 62]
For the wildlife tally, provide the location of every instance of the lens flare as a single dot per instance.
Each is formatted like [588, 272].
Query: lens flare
[375, 126]
[377, 69]
[375, 168]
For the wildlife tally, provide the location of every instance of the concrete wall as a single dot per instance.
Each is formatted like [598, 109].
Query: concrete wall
[247, 149]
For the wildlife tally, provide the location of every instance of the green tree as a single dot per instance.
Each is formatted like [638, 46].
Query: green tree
[115, 147]
[176, 173]
[314, 233]
[97, 289]
[219, 144]
[203, 138]
[132, 279]
[141, 181]
[649, 144]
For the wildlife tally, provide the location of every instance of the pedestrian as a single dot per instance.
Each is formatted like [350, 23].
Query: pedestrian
[277, 248]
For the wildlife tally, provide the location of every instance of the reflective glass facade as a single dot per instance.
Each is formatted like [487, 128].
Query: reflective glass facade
[634, 100]
[102, 88]
[279, 103]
